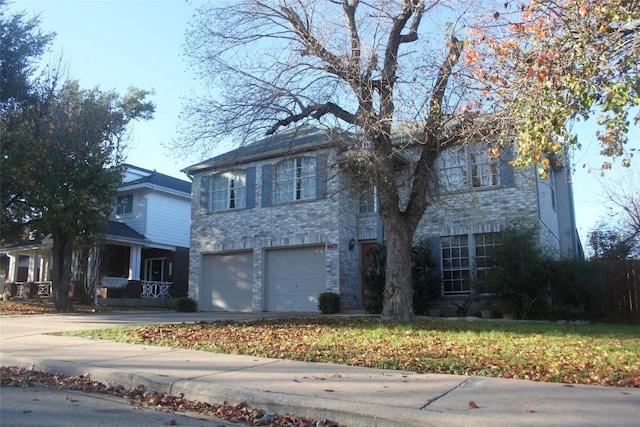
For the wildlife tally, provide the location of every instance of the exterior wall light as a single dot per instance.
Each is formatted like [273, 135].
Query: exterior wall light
[352, 244]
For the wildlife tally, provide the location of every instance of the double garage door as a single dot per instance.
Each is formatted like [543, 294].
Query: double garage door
[293, 279]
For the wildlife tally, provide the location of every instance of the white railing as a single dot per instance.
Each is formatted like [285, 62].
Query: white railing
[44, 289]
[155, 289]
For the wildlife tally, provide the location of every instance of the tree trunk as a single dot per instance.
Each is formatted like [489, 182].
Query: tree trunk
[61, 271]
[398, 290]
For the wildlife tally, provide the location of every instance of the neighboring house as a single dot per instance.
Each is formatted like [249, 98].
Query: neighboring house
[275, 223]
[146, 243]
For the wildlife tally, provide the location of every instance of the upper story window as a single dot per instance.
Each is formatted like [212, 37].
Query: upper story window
[468, 166]
[369, 201]
[295, 179]
[124, 205]
[228, 190]
[484, 166]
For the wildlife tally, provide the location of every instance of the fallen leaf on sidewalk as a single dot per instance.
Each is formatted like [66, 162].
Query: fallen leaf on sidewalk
[530, 411]
[472, 405]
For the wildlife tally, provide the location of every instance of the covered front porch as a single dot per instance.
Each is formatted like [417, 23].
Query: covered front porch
[26, 270]
[131, 267]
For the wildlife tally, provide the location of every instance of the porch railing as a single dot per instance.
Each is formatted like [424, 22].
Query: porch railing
[155, 289]
[44, 288]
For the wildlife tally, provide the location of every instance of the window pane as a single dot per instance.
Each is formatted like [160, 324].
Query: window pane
[124, 205]
[484, 166]
[452, 169]
[295, 179]
[485, 245]
[228, 191]
[455, 265]
[307, 178]
[368, 201]
[283, 181]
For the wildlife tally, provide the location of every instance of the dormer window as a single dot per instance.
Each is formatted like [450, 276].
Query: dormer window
[124, 205]
[294, 179]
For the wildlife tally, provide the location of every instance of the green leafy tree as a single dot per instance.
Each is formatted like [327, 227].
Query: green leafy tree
[553, 63]
[22, 42]
[64, 151]
[608, 241]
[520, 273]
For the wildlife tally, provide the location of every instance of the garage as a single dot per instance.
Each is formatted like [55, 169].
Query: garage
[227, 282]
[294, 278]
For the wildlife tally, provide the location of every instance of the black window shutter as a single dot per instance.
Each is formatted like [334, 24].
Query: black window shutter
[435, 246]
[267, 172]
[251, 188]
[205, 191]
[507, 173]
[321, 176]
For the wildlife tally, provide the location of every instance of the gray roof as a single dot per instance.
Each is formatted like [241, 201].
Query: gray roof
[161, 180]
[287, 142]
[120, 229]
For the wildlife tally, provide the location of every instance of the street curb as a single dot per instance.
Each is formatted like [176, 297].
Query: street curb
[366, 415]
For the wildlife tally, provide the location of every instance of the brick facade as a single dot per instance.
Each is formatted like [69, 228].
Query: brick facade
[332, 222]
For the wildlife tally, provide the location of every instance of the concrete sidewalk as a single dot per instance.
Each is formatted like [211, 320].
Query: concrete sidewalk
[351, 396]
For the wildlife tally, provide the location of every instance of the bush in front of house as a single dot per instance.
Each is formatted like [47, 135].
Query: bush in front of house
[536, 285]
[329, 302]
[186, 304]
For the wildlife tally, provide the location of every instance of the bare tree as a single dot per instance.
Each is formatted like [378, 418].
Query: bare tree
[618, 235]
[413, 76]
[361, 66]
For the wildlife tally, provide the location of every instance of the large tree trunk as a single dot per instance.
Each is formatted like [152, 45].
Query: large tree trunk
[398, 290]
[61, 272]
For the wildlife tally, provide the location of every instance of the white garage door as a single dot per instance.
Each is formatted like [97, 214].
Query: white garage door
[294, 278]
[227, 282]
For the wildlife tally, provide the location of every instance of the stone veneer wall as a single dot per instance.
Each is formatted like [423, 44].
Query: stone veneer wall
[292, 224]
[350, 277]
[482, 210]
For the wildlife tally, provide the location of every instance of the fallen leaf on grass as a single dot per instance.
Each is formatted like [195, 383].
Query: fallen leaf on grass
[472, 405]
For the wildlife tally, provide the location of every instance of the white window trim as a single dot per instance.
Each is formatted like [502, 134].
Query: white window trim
[472, 267]
[470, 172]
[118, 204]
[235, 176]
[295, 179]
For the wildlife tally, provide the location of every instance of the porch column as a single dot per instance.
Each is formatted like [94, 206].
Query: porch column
[134, 262]
[44, 271]
[31, 275]
[13, 268]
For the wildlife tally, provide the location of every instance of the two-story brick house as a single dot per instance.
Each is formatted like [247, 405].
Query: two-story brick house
[275, 223]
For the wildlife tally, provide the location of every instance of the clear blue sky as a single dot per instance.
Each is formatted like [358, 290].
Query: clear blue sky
[115, 44]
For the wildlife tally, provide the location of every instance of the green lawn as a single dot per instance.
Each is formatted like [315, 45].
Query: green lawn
[565, 353]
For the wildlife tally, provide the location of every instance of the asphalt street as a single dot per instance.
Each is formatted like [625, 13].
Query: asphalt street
[39, 406]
